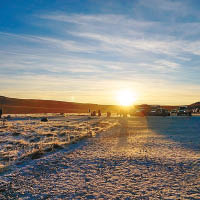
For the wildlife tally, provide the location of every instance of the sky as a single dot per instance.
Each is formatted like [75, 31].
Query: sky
[89, 50]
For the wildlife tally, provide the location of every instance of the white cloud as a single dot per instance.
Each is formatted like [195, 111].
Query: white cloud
[89, 53]
[167, 65]
[124, 35]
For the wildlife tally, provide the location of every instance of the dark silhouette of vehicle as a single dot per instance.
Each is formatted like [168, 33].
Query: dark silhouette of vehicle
[159, 112]
[173, 112]
[44, 119]
[141, 112]
[184, 110]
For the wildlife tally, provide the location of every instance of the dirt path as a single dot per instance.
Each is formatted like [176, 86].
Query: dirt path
[131, 161]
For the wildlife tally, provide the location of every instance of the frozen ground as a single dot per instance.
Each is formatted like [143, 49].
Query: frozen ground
[24, 137]
[141, 158]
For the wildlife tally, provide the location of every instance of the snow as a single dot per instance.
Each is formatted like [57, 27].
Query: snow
[133, 158]
[21, 137]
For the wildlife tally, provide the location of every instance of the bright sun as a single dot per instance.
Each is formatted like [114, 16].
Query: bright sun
[126, 97]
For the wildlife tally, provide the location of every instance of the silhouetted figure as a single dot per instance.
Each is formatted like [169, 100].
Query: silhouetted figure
[93, 113]
[1, 112]
[108, 114]
[99, 113]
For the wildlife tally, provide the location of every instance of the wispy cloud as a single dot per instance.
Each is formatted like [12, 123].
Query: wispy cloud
[133, 35]
[89, 52]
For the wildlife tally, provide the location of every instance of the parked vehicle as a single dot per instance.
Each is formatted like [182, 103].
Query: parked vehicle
[183, 110]
[159, 112]
[173, 112]
[140, 112]
[196, 110]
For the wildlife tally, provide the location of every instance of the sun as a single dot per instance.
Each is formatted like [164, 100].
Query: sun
[126, 97]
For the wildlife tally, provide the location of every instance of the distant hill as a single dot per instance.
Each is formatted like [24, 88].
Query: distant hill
[25, 106]
[195, 105]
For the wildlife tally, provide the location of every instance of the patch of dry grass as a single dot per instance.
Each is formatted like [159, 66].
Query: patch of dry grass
[21, 140]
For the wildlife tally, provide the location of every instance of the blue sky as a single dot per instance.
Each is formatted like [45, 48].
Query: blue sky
[88, 50]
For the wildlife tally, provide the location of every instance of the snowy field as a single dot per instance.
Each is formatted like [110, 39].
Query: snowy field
[24, 137]
[133, 158]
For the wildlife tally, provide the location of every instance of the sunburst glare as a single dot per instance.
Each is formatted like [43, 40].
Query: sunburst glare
[126, 97]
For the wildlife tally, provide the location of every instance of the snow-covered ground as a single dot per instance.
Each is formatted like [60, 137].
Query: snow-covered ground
[25, 137]
[140, 158]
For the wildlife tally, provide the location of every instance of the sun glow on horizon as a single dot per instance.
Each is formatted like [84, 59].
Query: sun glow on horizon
[126, 97]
